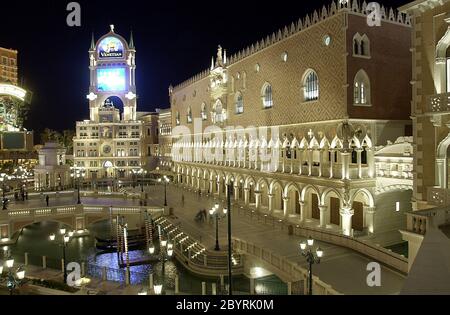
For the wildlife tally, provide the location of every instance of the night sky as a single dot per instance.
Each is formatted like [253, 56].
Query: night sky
[174, 40]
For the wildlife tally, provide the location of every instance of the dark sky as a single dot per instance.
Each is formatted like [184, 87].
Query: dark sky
[174, 40]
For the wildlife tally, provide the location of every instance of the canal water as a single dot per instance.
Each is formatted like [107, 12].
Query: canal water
[35, 241]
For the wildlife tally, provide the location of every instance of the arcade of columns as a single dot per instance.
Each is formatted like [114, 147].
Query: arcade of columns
[313, 181]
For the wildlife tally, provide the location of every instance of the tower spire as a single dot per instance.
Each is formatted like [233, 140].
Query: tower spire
[92, 42]
[131, 40]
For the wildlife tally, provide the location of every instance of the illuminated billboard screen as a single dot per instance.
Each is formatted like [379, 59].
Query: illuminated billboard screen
[111, 80]
[110, 47]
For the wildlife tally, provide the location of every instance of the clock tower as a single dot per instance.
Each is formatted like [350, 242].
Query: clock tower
[109, 146]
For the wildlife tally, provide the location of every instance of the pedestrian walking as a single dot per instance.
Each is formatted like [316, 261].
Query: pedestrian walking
[182, 200]
[47, 199]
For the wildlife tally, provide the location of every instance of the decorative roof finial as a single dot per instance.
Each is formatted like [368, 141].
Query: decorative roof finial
[131, 40]
[112, 28]
[92, 42]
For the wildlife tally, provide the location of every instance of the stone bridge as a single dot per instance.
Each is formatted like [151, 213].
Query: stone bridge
[78, 217]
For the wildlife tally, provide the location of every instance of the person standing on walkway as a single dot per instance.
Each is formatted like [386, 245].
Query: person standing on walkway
[47, 199]
[182, 200]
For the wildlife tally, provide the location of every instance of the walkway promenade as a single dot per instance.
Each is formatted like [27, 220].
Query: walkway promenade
[343, 269]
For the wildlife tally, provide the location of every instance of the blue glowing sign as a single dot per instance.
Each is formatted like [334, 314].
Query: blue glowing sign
[111, 80]
[110, 47]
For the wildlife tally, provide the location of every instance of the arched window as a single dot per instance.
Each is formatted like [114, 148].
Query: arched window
[355, 46]
[204, 113]
[177, 118]
[189, 115]
[267, 96]
[361, 89]
[365, 46]
[239, 103]
[361, 45]
[311, 86]
[219, 112]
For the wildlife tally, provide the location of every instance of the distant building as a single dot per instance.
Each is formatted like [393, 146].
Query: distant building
[52, 172]
[16, 143]
[8, 66]
[165, 140]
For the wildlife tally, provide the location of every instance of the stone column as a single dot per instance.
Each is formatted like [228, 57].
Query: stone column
[321, 168]
[371, 162]
[270, 196]
[302, 211]
[236, 193]
[333, 154]
[286, 207]
[247, 196]
[323, 216]
[346, 219]
[359, 161]
[370, 219]
[258, 199]
[310, 162]
[345, 165]
[211, 187]
[300, 158]
[441, 173]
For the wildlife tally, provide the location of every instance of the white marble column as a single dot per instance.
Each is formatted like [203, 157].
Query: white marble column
[370, 219]
[286, 207]
[247, 196]
[345, 165]
[323, 216]
[270, 197]
[236, 193]
[310, 161]
[333, 154]
[346, 219]
[302, 211]
[359, 161]
[300, 158]
[258, 199]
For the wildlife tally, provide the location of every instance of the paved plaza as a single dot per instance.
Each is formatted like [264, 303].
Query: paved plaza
[342, 268]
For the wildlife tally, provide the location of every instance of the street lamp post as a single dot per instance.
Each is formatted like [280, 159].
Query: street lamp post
[2, 180]
[13, 279]
[165, 254]
[63, 243]
[78, 173]
[311, 257]
[214, 212]
[166, 180]
[230, 248]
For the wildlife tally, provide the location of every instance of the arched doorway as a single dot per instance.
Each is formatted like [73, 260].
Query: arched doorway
[293, 194]
[277, 192]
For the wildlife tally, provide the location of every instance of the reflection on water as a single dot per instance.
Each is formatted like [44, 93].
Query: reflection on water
[35, 241]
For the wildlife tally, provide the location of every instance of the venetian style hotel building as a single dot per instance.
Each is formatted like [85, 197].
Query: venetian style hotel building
[334, 94]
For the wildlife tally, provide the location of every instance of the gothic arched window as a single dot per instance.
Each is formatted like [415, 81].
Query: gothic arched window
[239, 103]
[311, 86]
[267, 96]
